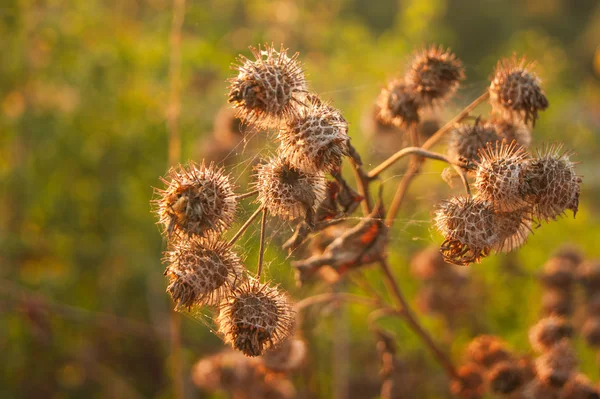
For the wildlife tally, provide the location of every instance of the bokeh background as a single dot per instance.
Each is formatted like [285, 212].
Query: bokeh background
[84, 100]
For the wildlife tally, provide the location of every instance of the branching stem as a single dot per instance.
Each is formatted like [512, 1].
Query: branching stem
[261, 250]
[245, 226]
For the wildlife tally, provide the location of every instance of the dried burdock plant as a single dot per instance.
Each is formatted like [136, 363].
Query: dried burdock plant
[548, 332]
[267, 90]
[197, 201]
[286, 191]
[202, 272]
[256, 317]
[556, 366]
[470, 383]
[515, 92]
[487, 350]
[434, 75]
[511, 130]
[579, 387]
[505, 377]
[467, 140]
[398, 105]
[317, 139]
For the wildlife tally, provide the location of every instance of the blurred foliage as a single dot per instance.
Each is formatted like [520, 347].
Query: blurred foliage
[83, 98]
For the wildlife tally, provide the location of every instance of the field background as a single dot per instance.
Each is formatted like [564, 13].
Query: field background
[84, 95]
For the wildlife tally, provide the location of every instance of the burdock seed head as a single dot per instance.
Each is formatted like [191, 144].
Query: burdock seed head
[487, 350]
[317, 139]
[557, 365]
[579, 387]
[470, 383]
[288, 192]
[467, 225]
[515, 92]
[557, 302]
[591, 331]
[201, 271]
[552, 184]
[588, 275]
[398, 105]
[505, 378]
[512, 229]
[256, 317]
[500, 176]
[466, 140]
[268, 89]
[511, 130]
[548, 332]
[435, 74]
[197, 201]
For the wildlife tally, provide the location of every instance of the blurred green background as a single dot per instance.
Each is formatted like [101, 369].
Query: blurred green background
[84, 93]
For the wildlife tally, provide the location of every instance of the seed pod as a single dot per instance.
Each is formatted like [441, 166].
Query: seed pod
[255, 318]
[201, 272]
[505, 378]
[269, 89]
[467, 140]
[512, 229]
[288, 357]
[557, 365]
[538, 389]
[558, 273]
[511, 131]
[588, 275]
[487, 350]
[557, 302]
[548, 332]
[591, 331]
[317, 139]
[288, 192]
[500, 176]
[515, 93]
[198, 200]
[579, 387]
[593, 304]
[434, 75]
[470, 383]
[467, 225]
[428, 264]
[552, 185]
[398, 105]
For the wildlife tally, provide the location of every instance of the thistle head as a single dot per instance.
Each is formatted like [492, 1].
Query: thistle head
[470, 382]
[289, 356]
[557, 302]
[197, 201]
[515, 92]
[467, 140]
[579, 387]
[317, 139]
[398, 105]
[588, 275]
[511, 130]
[591, 331]
[548, 332]
[288, 192]
[467, 225]
[255, 318]
[201, 272]
[505, 378]
[268, 89]
[487, 350]
[552, 184]
[434, 74]
[512, 229]
[500, 176]
[556, 366]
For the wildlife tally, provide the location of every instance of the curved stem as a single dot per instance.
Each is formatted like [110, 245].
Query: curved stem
[247, 195]
[261, 250]
[407, 314]
[245, 226]
[404, 152]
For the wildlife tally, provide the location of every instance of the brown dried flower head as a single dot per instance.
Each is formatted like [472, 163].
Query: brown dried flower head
[538, 389]
[548, 332]
[505, 378]
[198, 200]
[500, 176]
[255, 318]
[515, 92]
[487, 350]
[466, 140]
[227, 370]
[467, 225]
[398, 105]
[557, 365]
[588, 275]
[511, 130]
[470, 383]
[429, 264]
[591, 331]
[288, 357]
[268, 89]
[434, 75]
[557, 302]
[552, 185]
[579, 387]
[317, 139]
[201, 272]
[288, 192]
[559, 273]
[512, 229]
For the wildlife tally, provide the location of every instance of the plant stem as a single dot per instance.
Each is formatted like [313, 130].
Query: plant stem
[245, 226]
[261, 250]
[407, 314]
[247, 195]
[402, 153]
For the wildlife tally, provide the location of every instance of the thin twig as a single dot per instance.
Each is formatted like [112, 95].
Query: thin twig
[261, 250]
[247, 195]
[362, 182]
[245, 226]
[407, 314]
[404, 152]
